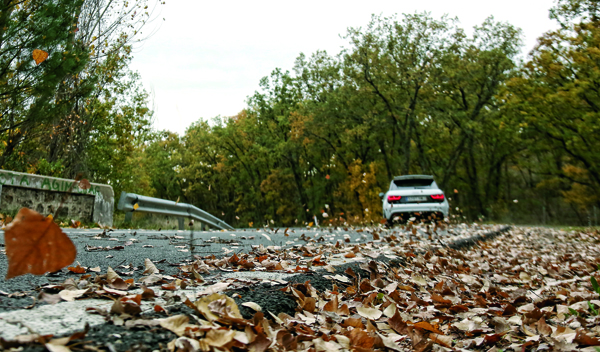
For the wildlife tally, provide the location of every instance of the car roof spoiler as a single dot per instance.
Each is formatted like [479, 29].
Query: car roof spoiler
[413, 177]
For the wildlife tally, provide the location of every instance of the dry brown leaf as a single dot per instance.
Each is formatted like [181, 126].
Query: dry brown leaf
[359, 338]
[70, 295]
[445, 341]
[543, 328]
[253, 306]
[215, 306]
[309, 304]
[150, 267]
[176, 324]
[77, 270]
[427, 326]
[84, 184]
[219, 338]
[36, 245]
[354, 322]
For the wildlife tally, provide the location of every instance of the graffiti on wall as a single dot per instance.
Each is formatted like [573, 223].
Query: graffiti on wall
[7, 178]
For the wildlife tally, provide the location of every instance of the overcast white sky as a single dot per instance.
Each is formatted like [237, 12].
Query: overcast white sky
[207, 57]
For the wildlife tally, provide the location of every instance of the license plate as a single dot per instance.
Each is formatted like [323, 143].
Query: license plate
[416, 199]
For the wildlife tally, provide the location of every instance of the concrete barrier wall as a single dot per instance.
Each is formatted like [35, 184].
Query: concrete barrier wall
[44, 194]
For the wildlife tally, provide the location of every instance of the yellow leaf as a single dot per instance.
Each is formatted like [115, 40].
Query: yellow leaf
[39, 56]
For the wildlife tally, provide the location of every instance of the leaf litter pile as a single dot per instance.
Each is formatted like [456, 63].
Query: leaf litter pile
[528, 289]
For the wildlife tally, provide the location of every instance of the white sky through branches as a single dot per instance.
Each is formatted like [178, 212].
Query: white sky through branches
[207, 57]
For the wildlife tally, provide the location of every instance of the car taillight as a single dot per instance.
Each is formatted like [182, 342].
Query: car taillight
[437, 196]
[393, 198]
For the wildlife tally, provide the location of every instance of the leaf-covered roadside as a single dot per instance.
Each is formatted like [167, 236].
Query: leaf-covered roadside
[528, 289]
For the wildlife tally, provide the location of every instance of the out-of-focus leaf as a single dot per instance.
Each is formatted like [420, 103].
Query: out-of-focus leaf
[36, 245]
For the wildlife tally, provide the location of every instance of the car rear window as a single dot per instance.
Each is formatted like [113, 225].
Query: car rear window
[412, 183]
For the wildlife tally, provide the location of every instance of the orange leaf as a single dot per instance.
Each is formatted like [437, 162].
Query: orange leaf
[309, 304]
[75, 224]
[353, 322]
[170, 287]
[77, 270]
[439, 299]
[350, 255]
[84, 184]
[426, 326]
[159, 309]
[39, 56]
[299, 269]
[36, 245]
[360, 338]
[332, 306]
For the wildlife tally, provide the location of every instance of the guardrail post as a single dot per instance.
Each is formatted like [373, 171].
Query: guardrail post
[181, 223]
[128, 216]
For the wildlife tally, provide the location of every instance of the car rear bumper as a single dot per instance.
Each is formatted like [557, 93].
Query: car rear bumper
[393, 210]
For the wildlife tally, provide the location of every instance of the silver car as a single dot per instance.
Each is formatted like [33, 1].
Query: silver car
[414, 196]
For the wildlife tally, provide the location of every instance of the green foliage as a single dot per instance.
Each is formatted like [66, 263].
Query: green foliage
[506, 140]
[408, 95]
[595, 285]
[81, 111]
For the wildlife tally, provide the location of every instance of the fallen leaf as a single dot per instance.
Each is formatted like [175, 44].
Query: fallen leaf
[445, 341]
[427, 326]
[77, 270]
[390, 343]
[70, 295]
[359, 338]
[215, 305]
[218, 287]
[369, 313]
[176, 324]
[218, 338]
[252, 305]
[150, 268]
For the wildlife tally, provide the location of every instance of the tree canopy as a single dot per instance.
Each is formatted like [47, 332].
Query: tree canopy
[507, 138]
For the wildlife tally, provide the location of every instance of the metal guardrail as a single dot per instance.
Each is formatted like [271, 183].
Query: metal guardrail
[145, 204]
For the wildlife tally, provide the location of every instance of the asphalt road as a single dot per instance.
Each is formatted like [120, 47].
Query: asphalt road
[124, 250]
